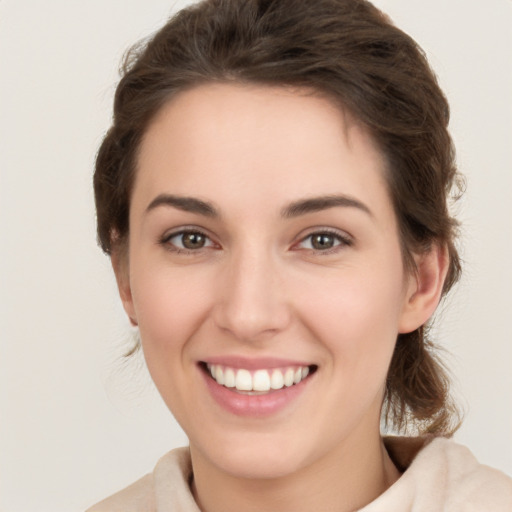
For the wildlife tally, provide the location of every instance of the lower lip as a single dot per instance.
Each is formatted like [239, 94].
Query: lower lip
[254, 405]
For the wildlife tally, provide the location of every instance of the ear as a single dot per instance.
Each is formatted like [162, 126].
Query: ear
[424, 288]
[119, 259]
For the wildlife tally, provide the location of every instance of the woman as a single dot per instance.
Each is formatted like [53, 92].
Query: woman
[273, 194]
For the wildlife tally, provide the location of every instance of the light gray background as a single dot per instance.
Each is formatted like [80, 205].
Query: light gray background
[76, 423]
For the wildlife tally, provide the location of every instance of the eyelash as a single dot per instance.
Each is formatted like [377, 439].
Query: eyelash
[341, 241]
[165, 241]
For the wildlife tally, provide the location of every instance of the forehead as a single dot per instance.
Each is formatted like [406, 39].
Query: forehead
[255, 140]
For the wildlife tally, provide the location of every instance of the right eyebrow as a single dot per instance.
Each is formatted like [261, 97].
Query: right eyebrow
[187, 204]
[316, 204]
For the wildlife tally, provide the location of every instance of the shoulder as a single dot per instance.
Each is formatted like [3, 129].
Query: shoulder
[168, 483]
[137, 497]
[440, 474]
[470, 486]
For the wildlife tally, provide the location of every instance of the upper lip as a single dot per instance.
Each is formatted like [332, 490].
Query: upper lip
[254, 363]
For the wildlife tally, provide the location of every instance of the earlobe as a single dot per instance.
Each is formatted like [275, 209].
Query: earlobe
[425, 288]
[119, 259]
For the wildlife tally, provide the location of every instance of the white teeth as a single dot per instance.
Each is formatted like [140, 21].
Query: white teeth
[229, 378]
[243, 380]
[288, 377]
[259, 380]
[219, 374]
[277, 380]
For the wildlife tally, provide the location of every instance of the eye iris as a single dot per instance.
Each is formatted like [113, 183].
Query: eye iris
[322, 241]
[193, 240]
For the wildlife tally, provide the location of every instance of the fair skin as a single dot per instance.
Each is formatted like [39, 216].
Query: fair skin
[262, 238]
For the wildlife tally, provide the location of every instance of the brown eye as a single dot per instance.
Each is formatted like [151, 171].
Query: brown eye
[188, 241]
[193, 240]
[323, 241]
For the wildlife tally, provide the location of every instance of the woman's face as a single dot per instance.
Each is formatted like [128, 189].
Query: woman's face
[263, 246]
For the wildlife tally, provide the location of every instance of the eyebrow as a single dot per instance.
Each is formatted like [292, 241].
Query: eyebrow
[316, 204]
[294, 209]
[187, 204]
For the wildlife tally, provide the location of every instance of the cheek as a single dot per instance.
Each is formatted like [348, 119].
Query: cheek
[356, 317]
[170, 307]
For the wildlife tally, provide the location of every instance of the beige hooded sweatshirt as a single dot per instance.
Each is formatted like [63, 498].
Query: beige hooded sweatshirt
[439, 476]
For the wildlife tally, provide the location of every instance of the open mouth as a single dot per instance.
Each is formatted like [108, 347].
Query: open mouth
[257, 382]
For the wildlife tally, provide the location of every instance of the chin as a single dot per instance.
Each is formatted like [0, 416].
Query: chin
[256, 459]
[260, 467]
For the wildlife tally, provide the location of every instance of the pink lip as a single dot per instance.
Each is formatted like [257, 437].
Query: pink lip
[254, 363]
[255, 406]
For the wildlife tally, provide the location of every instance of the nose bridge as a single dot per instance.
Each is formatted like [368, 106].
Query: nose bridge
[253, 300]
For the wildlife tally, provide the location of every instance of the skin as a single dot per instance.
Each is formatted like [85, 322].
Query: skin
[259, 288]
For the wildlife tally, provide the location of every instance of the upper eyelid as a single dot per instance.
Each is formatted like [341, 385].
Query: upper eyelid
[165, 239]
[345, 241]
[185, 229]
[344, 235]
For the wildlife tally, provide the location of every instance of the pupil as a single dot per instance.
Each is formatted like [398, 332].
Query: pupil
[322, 241]
[193, 240]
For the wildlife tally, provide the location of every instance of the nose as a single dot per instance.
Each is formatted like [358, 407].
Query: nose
[253, 303]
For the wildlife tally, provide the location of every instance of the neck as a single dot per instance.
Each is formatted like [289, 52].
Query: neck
[345, 480]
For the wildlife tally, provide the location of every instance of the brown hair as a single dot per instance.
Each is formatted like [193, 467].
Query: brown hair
[351, 52]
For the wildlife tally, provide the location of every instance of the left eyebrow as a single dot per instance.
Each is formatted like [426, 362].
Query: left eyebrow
[316, 204]
[187, 204]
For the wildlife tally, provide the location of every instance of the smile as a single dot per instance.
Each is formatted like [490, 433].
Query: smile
[256, 388]
[258, 381]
